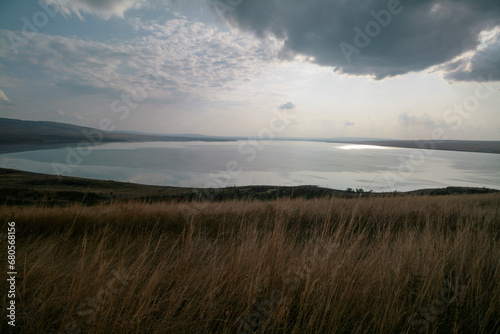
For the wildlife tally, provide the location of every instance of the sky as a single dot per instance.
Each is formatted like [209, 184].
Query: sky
[333, 68]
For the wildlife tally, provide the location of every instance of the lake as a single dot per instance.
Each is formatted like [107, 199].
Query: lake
[284, 163]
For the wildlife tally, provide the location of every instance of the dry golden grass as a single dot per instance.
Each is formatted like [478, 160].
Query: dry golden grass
[289, 266]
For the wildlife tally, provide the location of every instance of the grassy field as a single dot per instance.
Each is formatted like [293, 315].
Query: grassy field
[416, 264]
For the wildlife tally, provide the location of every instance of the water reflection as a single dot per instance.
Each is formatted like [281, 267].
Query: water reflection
[205, 164]
[362, 147]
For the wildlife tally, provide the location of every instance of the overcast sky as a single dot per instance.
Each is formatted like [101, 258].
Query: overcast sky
[352, 68]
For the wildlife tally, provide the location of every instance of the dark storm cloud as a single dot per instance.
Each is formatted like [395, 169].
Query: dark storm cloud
[381, 38]
[484, 65]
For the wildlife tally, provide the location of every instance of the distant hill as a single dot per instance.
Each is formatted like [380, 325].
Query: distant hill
[13, 131]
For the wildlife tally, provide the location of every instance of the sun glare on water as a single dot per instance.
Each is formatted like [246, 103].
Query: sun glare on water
[362, 147]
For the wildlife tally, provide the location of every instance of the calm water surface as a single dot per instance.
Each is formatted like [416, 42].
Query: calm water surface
[208, 164]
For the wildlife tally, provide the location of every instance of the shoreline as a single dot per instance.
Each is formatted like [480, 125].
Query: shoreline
[27, 188]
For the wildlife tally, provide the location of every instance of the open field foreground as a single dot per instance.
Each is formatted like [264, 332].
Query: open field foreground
[416, 264]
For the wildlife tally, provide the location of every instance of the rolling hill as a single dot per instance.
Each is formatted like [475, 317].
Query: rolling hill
[13, 131]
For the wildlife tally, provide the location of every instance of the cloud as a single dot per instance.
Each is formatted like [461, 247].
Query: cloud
[4, 100]
[287, 106]
[175, 58]
[9, 81]
[416, 121]
[481, 65]
[379, 38]
[349, 124]
[102, 8]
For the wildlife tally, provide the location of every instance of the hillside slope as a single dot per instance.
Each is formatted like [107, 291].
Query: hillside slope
[13, 131]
